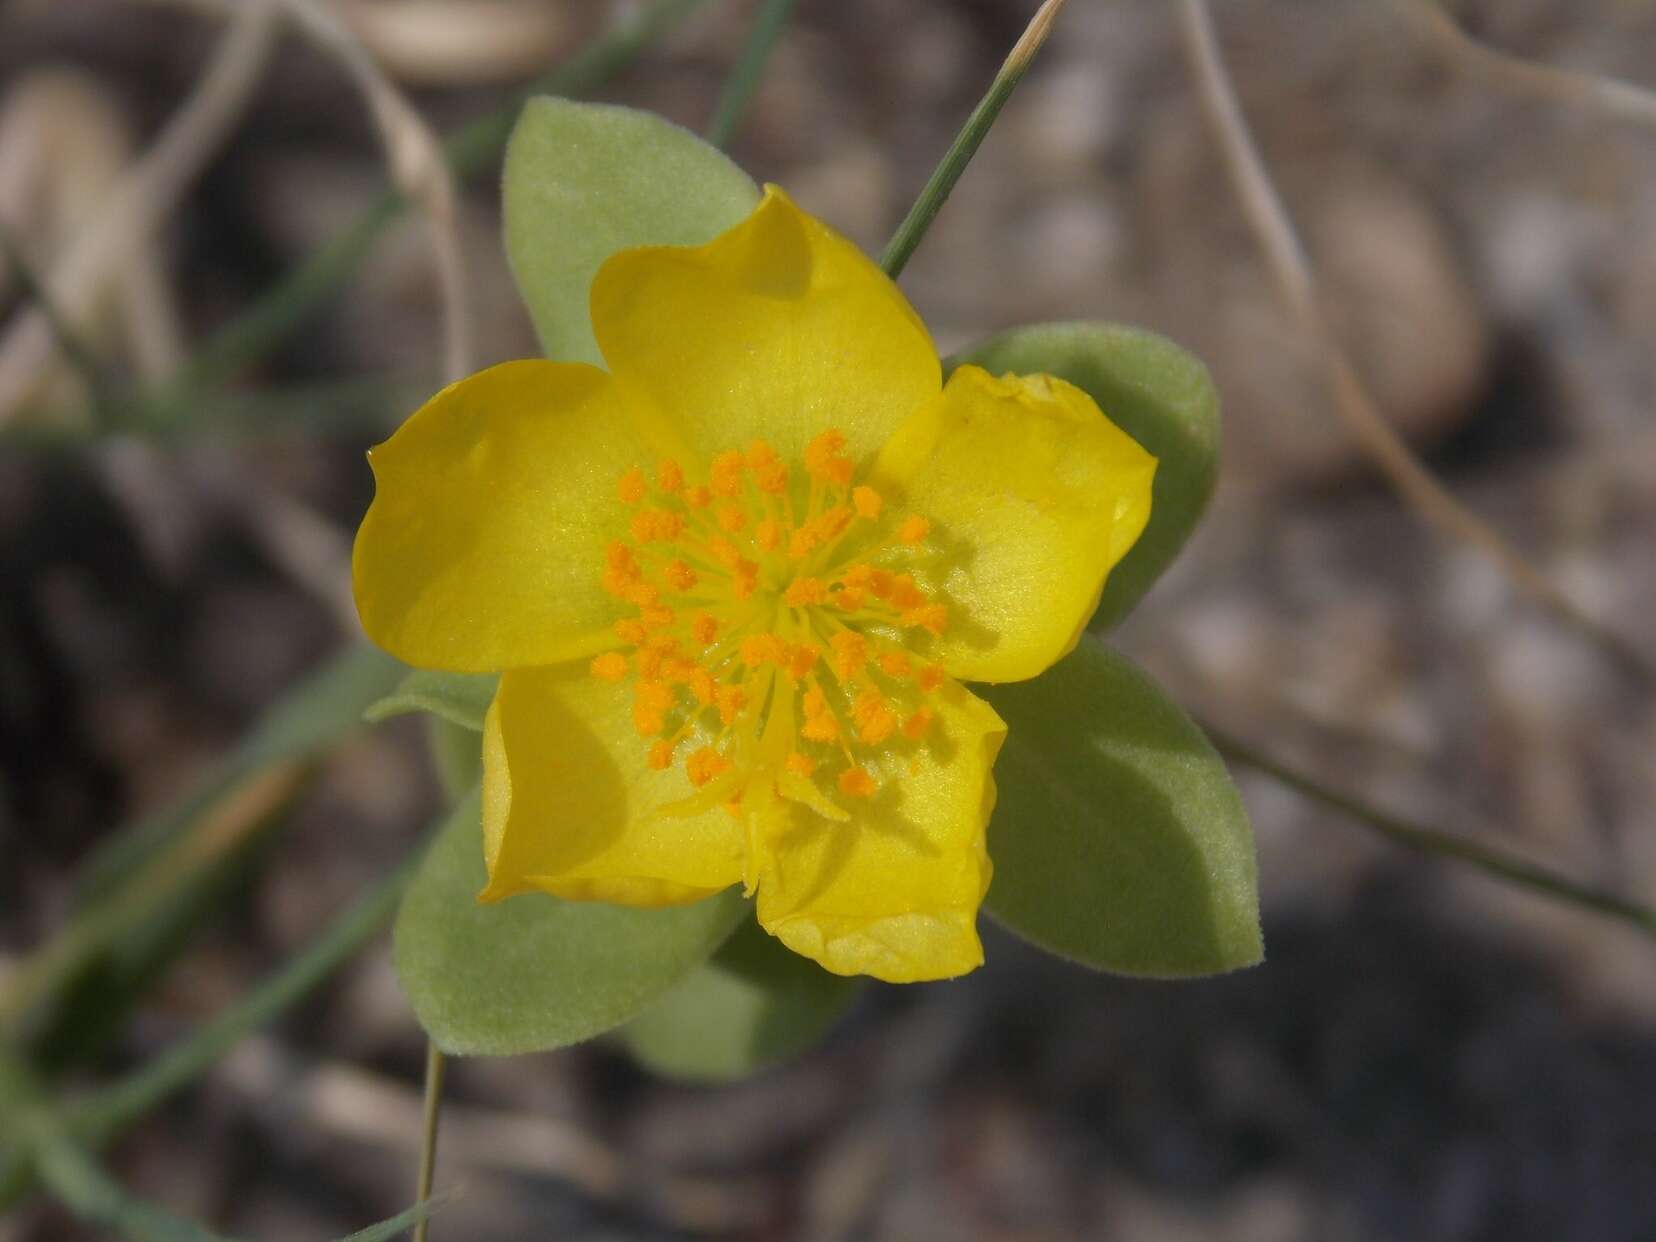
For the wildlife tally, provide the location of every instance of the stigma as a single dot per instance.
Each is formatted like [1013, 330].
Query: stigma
[777, 625]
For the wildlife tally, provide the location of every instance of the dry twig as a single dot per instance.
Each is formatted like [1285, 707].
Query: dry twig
[143, 198]
[1274, 231]
[1620, 100]
[414, 157]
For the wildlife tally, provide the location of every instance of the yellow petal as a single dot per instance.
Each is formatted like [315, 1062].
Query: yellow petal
[1033, 495]
[483, 548]
[894, 892]
[779, 328]
[570, 804]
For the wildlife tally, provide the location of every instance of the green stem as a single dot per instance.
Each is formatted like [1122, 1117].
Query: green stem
[471, 149]
[302, 724]
[744, 77]
[965, 145]
[1491, 861]
[152, 862]
[226, 826]
[101, 1114]
[428, 1145]
[81, 1184]
[386, 1230]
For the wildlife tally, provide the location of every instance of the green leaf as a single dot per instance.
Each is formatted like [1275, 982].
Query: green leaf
[1118, 838]
[459, 698]
[1155, 392]
[401, 1223]
[754, 1003]
[585, 180]
[456, 754]
[533, 972]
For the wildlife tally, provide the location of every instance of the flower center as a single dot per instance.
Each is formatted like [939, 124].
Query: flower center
[779, 629]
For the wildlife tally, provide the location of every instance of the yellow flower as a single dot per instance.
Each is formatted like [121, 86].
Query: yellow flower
[734, 585]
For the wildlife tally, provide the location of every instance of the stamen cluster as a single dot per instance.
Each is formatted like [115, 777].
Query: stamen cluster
[778, 628]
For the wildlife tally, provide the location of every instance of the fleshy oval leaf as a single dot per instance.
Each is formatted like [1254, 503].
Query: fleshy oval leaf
[460, 698]
[533, 972]
[1118, 838]
[584, 180]
[1157, 393]
[751, 1005]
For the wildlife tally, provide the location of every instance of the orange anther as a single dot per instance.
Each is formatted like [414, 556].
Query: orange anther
[651, 660]
[933, 617]
[657, 525]
[820, 722]
[914, 529]
[611, 666]
[803, 592]
[703, 765]
[761, 649]
[771, 478]
[768, 535]
[874, 720]
[803, 542]
[651, 699]
[895, 664]
[858, 576]
[760, 454]
[640, 594]
[730, 518]
[822, 450]
[850, 599]
[744, 580]
[618, 555]
[661, 755]
[670, 477]
[801, 660]
[698, 497]
[850, 653]
[704, 629]
[916, 725]
[856, 783]
[831, 525]
[800, 765]
[701, 685]
[731, 700]
[631, 631]
[680, 576]
[904, 593]
[725, 475]
[657, 617]
[820, 728]
[931, 678]
[632, 487]
[868, 502]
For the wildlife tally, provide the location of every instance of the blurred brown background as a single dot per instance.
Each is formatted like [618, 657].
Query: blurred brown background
[1425, 1055]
